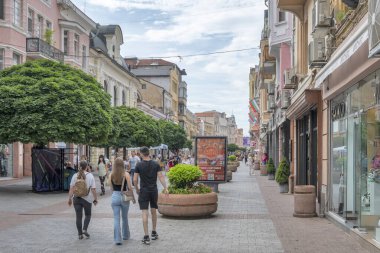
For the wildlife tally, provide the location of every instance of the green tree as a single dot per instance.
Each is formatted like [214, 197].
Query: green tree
[232, 147]
[173, 135]
[134, 128]
[44, 101]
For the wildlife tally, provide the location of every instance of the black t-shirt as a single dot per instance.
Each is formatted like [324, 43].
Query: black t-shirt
[148, 174]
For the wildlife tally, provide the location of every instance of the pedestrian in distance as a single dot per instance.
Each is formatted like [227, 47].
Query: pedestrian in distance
[120, 181]
[148, 171]
[102, 173]
[246, 159]
[133, 160]
[81, 184]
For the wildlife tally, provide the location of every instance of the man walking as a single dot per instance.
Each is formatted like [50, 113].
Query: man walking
[133, 162]
[148, 171]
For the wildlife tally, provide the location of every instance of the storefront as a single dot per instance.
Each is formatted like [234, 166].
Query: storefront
[6, 160]
[355, 154]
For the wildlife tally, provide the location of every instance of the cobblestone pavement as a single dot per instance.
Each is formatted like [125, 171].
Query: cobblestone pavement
[31, 222]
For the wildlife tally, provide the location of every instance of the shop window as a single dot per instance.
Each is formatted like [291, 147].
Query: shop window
[1, 9]
[76, 45]
[115, 96]
[30, 22]
[84, 57]
[6, 157]
[1, 58]
[40, 26]
[66, 42]
[16, 59]
[17, 12]
[123, 98]
[281, 16]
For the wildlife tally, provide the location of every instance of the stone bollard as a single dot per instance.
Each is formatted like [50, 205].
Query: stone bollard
[304, 201]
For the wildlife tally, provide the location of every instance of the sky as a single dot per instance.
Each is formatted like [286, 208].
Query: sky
[164, 28]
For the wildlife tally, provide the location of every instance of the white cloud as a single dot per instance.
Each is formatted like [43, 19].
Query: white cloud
[184, 27]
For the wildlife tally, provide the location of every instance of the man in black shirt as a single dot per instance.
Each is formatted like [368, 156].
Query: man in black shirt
[148, 171]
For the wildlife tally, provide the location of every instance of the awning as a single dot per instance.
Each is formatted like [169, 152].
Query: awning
[305, 101]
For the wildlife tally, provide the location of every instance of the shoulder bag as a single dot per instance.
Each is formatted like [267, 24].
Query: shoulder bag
[127, 195]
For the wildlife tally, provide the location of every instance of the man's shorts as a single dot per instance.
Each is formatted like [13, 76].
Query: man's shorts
[148, 197]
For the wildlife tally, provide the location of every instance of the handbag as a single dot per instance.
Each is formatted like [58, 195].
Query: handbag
[127, 195]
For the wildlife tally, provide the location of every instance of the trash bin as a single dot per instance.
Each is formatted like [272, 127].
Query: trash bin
[304, 201]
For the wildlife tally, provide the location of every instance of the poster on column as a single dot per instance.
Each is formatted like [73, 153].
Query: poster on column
[210, 156]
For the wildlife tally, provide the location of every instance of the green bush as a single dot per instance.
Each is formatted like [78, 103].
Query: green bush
[270, 167]
[182, 179]
[232, 158]
[196, 189]
[283, 172]
[184, 175]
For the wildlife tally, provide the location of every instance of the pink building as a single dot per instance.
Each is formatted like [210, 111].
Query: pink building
[32, 29]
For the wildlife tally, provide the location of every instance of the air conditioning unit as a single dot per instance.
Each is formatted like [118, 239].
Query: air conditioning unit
[321, 14]
[271, 88]
[374, 28]
[290, 79]
[317, 56]
[271, 102]
[285, 99]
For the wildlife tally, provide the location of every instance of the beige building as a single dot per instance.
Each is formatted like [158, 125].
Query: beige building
[162, 73]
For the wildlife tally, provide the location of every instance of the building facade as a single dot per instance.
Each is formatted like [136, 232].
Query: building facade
[329, 67]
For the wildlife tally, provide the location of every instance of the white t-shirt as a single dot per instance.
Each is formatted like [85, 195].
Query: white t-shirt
[90, 181]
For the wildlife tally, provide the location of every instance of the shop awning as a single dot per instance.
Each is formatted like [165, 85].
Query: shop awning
[304, 102]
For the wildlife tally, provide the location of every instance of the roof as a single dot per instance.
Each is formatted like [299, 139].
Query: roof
[135, 62]
[98, 39]
[152, 71]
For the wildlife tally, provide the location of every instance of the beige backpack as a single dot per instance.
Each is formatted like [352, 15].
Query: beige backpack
[80, 186]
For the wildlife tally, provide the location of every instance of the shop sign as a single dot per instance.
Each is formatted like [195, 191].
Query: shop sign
[338, 111]
[211, 157]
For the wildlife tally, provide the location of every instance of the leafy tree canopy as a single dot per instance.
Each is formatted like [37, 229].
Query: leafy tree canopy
[134, 128]
[44, 101]
[232, 147]
[173, 135]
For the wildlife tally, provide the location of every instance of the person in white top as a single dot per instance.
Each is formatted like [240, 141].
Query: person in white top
[84, 202]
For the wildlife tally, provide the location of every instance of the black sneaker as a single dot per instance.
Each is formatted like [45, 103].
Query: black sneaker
[86, 234]
[146, 240]
[154, 235]
[80, 237]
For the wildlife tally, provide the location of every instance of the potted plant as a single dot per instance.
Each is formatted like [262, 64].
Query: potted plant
[282, 176]
[271, 169]
[187, 197]
[231, 164]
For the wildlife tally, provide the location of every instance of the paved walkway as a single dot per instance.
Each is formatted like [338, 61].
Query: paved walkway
[244, 222]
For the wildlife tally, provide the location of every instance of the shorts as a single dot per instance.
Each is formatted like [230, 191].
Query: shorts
[148, 197]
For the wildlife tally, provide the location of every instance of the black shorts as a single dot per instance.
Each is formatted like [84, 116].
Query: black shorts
[148, 197]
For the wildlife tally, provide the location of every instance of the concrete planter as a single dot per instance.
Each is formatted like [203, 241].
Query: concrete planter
[263, 170]
[284, 188]
[270, 176]
[187, 205]
[304, 201]
[229, 175]
[231, 166]
[236, 163]
[256, 165]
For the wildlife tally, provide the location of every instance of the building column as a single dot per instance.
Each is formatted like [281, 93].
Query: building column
[18, 160]
[28, 159]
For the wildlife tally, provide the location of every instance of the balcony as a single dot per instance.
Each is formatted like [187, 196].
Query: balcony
[294, 6]
[37, 48]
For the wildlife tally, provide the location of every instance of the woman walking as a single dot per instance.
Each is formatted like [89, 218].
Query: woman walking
[102, 172]
[80, 186]
[120, 181]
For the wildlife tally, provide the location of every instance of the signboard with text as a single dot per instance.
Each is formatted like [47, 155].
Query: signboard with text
[210, 156]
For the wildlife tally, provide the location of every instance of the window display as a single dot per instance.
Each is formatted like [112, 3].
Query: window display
[6, 164]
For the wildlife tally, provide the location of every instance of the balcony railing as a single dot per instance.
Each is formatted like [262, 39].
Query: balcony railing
[36, 45]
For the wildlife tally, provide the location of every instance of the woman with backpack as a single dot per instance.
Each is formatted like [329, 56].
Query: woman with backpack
[120, 182]
[81, 184]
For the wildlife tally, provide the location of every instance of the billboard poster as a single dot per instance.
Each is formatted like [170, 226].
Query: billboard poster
[210, 156]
